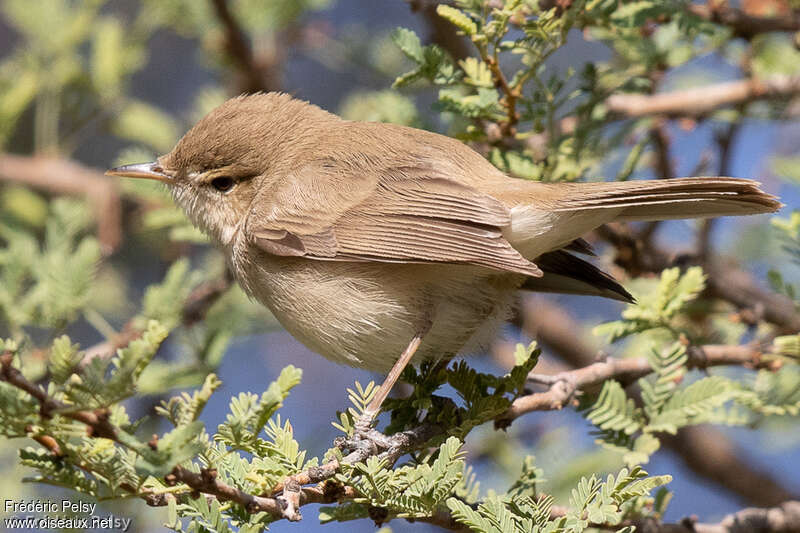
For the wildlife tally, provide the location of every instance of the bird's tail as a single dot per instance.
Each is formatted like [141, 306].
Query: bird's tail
[546, 218]
[668, 198]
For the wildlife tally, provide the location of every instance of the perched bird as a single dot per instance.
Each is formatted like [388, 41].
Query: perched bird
[374, 243]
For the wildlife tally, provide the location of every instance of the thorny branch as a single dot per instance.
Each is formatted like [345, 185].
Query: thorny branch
[510, 94]
[738, 287]
[563, 387]
[97, 421]
[704, 449]
[726, 281]
[284, 505]
[725, 142]
[287, 497]
[782, 519]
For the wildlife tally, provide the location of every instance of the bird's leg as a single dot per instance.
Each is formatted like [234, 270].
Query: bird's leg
[364, 422]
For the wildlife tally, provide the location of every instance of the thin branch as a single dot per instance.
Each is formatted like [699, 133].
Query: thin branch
[660, 138]
[564, 386]
[96, 420]
[784, 518]
[704, 449]
[255, 73]
[745, 25]
[197, 304]
[725, 142]
[665, 169]
[285, 506]
[203, 297]
[62, 176]
[293, 495]
[739, 288]
[510, 94]
[631, 253]
[709, 453]
[699, 101]
[726, 282]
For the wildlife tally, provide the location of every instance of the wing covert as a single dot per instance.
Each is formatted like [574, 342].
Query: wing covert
[328, 211]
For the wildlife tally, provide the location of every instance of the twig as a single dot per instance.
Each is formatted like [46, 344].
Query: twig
[705, 450]
[510, 94]
[699, 101]
[284, 506]
[738, 287]
[743, 24]
[725, 142]
[96, 420]
[725, 281]
[257, 72]
[631, 253]
[194, 310]
[564, 385]
[203, 297]
[785, 518]
[709, 453]
[660, 139]
[293, 496]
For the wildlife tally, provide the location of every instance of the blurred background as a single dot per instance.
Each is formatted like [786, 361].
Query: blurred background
[86, 85]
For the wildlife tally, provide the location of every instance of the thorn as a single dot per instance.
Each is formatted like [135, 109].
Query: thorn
[378, 515]
[209, 475]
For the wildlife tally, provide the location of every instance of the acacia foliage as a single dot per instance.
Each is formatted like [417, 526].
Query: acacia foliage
[508, 99]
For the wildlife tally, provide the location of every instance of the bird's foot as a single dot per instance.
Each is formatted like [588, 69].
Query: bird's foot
[364, 423]
[365, 440]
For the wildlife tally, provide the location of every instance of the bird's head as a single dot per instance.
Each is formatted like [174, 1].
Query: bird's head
[216, 170]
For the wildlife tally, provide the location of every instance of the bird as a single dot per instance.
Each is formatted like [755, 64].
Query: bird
[377, 244]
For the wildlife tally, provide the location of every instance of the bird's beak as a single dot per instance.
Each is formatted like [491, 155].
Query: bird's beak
[150, 171]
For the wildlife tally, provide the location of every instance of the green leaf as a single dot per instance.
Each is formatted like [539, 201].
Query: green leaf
[131, 360]
[173, 448]
[249, 413]
[477, 72]
[64, 359]
[694, 404]
[112, 58]
[409, 44]
[614, 411]
[457, 18]
[380, 106]
[185, 408]
[657, 308]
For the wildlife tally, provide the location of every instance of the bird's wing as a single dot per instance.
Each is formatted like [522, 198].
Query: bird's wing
[329, 211]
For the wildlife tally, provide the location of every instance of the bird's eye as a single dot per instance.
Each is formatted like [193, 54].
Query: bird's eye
[223, 183]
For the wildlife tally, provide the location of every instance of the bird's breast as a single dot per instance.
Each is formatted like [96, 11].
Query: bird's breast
[364, 314]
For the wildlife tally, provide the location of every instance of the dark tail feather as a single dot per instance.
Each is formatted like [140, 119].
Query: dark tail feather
[565, 273]
[580, 246]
